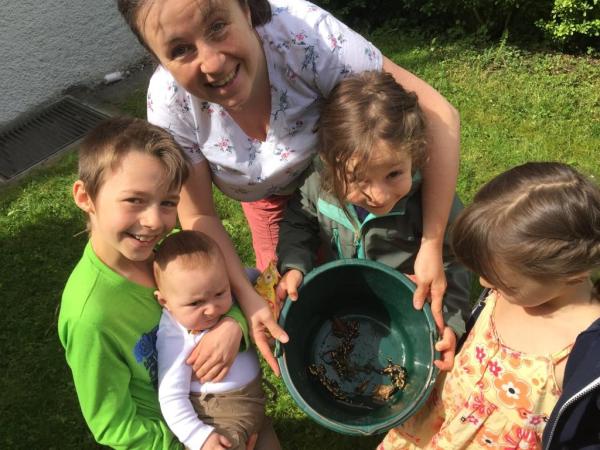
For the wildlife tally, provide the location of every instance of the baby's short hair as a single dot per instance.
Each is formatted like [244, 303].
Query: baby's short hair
[191, 249]
[112, 139]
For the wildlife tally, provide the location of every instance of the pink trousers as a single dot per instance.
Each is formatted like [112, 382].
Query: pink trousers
[263, 218]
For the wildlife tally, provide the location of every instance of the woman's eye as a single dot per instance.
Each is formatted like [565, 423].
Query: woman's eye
[169, 204]
[133, 200]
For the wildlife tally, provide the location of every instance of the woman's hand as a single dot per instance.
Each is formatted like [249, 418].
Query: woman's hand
[447, 348]
[216, 351]
[430, 280]
[288, 285]
[261, 320]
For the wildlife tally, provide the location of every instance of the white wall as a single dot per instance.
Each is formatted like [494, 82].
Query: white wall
[49, 45]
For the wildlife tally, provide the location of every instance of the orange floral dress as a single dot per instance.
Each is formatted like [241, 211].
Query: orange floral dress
[494, 397]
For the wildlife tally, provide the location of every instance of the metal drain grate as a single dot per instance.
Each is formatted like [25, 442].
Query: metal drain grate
[30, 140]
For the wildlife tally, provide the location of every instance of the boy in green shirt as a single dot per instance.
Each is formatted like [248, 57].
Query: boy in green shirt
[130, 176]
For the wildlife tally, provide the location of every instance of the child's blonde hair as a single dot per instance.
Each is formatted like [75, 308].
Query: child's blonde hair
[191, 248]
[104, 147]
[540, 219]
[363, 111]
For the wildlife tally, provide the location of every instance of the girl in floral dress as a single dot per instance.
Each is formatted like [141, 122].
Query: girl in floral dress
[533, 236]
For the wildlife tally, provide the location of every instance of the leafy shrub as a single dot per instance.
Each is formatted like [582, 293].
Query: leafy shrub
[574, 22]
[567, 22]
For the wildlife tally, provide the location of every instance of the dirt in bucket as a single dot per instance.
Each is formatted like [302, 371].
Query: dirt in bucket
[347, 362]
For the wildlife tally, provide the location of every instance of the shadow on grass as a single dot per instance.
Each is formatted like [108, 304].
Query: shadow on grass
[38, 405]
[304, 434]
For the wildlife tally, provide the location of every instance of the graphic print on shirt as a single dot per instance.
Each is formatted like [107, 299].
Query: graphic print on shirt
[145, 352]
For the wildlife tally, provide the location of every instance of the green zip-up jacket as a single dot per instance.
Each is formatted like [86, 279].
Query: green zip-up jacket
[314, 216]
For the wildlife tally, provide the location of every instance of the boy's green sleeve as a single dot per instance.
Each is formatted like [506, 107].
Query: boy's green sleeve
[102, 381]
[236, 314]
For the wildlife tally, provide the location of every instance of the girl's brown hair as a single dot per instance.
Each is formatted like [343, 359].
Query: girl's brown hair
[260, 13]
[540, 219]
[363, 111]
[104, 147]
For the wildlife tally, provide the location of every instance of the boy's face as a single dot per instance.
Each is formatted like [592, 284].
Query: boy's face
[197, 296]
[388, 179]
[133, 210]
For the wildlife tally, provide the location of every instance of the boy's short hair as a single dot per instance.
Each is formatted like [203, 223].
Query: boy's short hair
[362, 111]
[191, 248]
[112, 139]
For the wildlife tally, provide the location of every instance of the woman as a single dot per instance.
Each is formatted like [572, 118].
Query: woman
[239, 85]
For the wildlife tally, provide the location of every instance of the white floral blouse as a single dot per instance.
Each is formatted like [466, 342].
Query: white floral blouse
[308, 52]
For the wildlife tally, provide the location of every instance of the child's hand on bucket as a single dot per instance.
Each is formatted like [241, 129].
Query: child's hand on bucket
[446, 345]
[430, 280]
[288, 285]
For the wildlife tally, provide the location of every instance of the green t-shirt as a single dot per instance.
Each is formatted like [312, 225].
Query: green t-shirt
[107, 325]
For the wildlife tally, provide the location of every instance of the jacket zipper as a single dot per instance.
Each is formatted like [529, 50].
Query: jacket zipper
[360, 235]
[586, 390]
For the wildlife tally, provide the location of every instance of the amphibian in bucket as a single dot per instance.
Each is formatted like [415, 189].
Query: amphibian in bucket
[383, 392]
[350, 384]
[396, 373]
[318, 372]
[340, 356]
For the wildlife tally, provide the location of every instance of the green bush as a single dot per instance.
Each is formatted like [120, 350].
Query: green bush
[569, 23]
[574, 23]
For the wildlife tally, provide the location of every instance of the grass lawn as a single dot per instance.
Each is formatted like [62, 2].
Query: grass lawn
[515, 106]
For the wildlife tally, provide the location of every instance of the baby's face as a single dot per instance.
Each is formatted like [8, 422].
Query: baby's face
[197, 296]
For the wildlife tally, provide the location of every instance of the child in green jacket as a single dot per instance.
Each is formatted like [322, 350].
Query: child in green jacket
[130, 175]
[362, 199]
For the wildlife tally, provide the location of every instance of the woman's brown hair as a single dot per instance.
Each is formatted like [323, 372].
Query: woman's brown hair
[540, 219]
[363, 111]
[260, 14]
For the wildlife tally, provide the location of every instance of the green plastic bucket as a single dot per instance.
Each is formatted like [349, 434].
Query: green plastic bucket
[378, 301]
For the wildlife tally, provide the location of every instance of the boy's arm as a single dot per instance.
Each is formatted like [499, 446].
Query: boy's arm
[236, 314]
[102, 381]
[174, 379]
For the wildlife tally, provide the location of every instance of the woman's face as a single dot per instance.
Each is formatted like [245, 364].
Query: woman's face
[209, 46]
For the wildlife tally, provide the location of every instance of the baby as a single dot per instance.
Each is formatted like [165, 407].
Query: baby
[193, 289]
